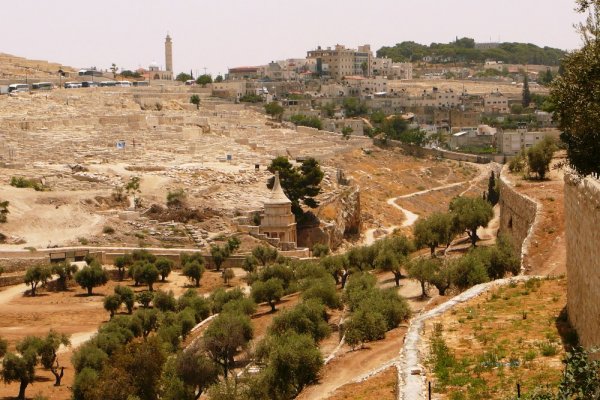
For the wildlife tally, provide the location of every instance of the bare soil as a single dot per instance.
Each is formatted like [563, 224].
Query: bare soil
[547, 254]
[502, 338]
[381, 387]
[73, 313]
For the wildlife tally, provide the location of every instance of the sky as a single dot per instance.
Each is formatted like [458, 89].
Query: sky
[217, 35]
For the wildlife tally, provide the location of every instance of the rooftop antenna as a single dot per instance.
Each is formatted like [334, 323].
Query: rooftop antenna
[204, 70]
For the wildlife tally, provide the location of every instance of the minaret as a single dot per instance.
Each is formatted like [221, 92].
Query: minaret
[169, 54]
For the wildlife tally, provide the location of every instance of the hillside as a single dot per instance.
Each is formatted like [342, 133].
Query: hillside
[12, 67]
[466, 51]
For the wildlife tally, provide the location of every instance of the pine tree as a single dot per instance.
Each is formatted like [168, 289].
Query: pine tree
[526, 93]
[492, 195]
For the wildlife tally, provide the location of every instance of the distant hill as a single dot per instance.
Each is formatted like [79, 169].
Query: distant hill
[465, 50]
[13, 67]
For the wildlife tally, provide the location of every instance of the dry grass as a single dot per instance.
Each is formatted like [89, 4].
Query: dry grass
[511, 335]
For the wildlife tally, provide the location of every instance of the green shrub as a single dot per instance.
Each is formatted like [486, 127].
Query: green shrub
[548, 349]
[304, 120]
[21, 182]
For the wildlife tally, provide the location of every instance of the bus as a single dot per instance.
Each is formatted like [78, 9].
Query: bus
[18, 87]
[42, 86]
[108, 83]
[141, 83]
[123, 84]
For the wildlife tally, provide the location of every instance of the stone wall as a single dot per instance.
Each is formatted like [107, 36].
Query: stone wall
[517, 216]
[582, 225]
[424, 152]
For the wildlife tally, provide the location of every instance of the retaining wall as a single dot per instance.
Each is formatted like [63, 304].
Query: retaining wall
[424, 152]
[517, 216]
[582, 226]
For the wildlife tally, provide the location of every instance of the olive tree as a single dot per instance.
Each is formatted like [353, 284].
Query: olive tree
[65, 271]
[195, 369]
[112, 303]
[148, 274]
[540, 156]
[469, 213]
[219, 255]
[433, 231]
[91, 276]
[21, 367]
[225, 336]
[36, 275]
[269, 291]
[47, 351]
[293, 362]
[265, 254]
[164, 266]
[194, 271]
[122, 262]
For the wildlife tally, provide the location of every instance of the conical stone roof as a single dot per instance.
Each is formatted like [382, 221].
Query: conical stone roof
[277, 194]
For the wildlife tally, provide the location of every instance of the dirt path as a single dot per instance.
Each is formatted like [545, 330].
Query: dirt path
[355, 366]
[350, 365]
[13, 291]
[410, 217]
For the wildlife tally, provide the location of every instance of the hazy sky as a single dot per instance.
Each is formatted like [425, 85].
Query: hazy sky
[229, 33]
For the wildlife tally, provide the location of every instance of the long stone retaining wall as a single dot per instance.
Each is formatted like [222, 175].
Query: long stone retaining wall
[517, 217]
[582, 225]
[425, 152]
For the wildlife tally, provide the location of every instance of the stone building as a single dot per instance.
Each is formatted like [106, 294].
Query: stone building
[341, 61]
[278, 222]
[155, 72]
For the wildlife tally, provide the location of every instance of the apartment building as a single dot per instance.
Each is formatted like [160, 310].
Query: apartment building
[341, 61]
[386, 67]
[510, 143]
[243, 73]
[436, 98]
[496, 103]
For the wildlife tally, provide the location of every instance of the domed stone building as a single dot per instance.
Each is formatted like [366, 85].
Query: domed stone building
[155, 72]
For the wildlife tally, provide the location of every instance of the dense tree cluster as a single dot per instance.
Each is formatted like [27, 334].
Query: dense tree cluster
[575, 95]
[463, 50]
[306, 120]
[373, 311]
[299, 183]
[479, 265]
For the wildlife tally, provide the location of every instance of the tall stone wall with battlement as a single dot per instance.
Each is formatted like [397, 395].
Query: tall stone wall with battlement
[582, 225]
[517, 216]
